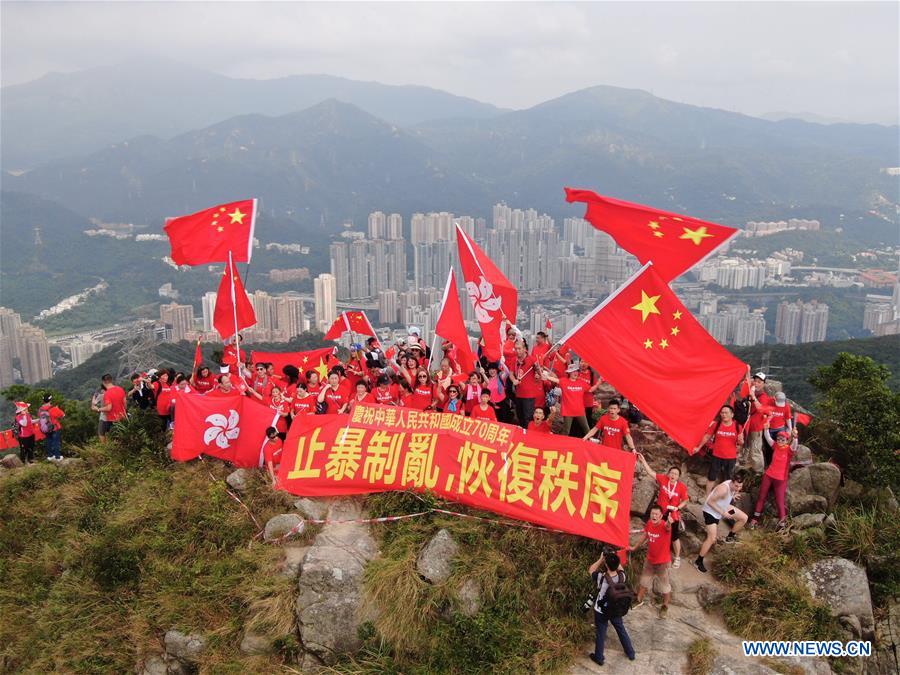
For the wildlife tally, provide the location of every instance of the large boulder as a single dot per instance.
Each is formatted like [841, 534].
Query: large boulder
[826, 480]
[238, 479]
[803, 455]
[435, 560]
[844, 588]
[887, 658]
[312, 509]
[10, 461]
[152, 665]
[254, 643]
[468, 598]
[643, 493]
[330, 605]
[293, 560]
[184, 648]
[808, 504]
[278, 526]
[807, 520]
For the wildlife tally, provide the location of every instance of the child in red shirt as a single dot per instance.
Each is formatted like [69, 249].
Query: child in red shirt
[484, 410]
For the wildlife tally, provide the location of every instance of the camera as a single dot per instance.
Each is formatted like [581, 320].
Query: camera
[589, 601]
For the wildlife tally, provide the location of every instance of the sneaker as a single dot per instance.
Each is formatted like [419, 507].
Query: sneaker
[781, 525]
[731, 538]
[753, 523]
[676, 563]
[638, 604]
[663, 611]
[700, 566]
[593, 658]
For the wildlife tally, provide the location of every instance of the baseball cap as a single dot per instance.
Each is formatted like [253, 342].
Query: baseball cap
[760, 375]
[21, 405]
[572, 367]
[782, 434]
[780, 398]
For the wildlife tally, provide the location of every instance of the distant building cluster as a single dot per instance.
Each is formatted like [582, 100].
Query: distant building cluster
[763, 229]
[801, 322]
[733, 324]
[881, 314]
[24, 351]
[289, 275]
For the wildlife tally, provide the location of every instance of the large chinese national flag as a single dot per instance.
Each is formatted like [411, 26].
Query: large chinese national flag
[652, 350]
[231, 428]
[673, 242]
[233, 309]
[492, 295]
[353, 322]
[208, 236]
[450, 325]
[318, 360]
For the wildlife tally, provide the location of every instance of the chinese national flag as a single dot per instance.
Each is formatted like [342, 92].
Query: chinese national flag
[198, 356]
[353, 322]
[673, 242]
[450, 325]
[316, 359]
[233, 308]
[231, 428]
[493, 296]
[802, 418]
[653, 351]
[208, 236]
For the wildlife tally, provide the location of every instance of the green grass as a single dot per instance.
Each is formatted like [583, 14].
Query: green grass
[700, 656]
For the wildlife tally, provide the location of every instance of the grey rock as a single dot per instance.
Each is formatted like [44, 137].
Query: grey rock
[852, 626]
[886, 660]
[314, 509]
[11, 461]
[238, 479]
[808, 504]
[830, 521]
[643, 492]
[330, 606]
[185, 648]
[468, 598]
[70, 461]
[804, 521]
[826, 480]
[799, 485]
[293, 560]
[709, 595]
[803, 455]
[253, 643]
[728, 665]
[435, 560]
[152, 665]
[844, 588]
[686, 600]
[280, 525]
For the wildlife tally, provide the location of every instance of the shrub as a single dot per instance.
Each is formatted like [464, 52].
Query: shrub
[700, 656]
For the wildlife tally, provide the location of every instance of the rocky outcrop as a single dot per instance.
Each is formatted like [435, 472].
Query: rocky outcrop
[280, 525]
[822, 479]
[10, 461]
[808, 504]
[435, 560]
[253, 643]
[313, 509]
[886, 660]
[329, 606]
[238, 479]
[804, 521]
[643, 493]
[468, 598]
[844, 588]
[183, 652]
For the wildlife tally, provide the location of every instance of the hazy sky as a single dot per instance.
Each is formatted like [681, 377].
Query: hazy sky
[838, 60]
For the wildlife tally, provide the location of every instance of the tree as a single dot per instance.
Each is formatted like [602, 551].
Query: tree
[859, 419]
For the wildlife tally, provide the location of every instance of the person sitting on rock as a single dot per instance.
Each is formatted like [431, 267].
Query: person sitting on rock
[719, 506]
[776, 475]
[658, 533]
[673, 495]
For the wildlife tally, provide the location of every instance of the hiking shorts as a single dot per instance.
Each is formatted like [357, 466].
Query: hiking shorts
[676, 525]
[661, 572]
[719, 466]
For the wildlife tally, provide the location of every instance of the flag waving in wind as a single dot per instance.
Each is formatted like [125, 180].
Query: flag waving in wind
[450, 325]
[233, 311]
[208, 236]
[351, 322]
[492, 295]
[652, 350]
[673, 242]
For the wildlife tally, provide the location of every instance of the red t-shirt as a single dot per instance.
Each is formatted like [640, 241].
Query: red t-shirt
[509, 351]
[313, 389]
[781, 462]
[205, 384]
[588, 401]
[529, 386]
[262, 386]
[612, 431]
[670, 496]
[56, 414]
[386, 396]
[540, 427]
[163, 398]
[757, 419]
[26, 424]
[334, 400]
[780, 416]
[272, 451]
[304, 406]
[218, 392]
[659, 542]
[573, 396]
[538, 352]
[422, 397]
[115, 395]
[725, 441]
[479, 414]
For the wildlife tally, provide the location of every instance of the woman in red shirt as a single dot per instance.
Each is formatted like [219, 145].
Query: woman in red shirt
[162, 390]
[313, 385]
[203, 380]
[25, 432]
[333, 395]
[726, 435]
[385, 392]
[272, 453]
[361, 395]
[423, 394]
[451, 402]
[776, 476]
[282, 406]
[471, 393]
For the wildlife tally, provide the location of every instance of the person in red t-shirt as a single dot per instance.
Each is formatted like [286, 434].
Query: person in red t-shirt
[163, 390]
[272, 453]
[113, 404]
[303, 403]
[450, 401]
[761, 405]
[672, 497]
[541, 424]
[776, 476]
[282, 406]
[52, 414]
[471, 392]
[385, 392]
[612, 428]
[484, 410]
[573, 388]
[726, 435]
[589, 375]
[25, 432]
[361, 395]
[423, 395]
[525, 375]
[658, 533]
[540, 348]
[313, 384]
[203, 380]
[261, 384]
[333, 395]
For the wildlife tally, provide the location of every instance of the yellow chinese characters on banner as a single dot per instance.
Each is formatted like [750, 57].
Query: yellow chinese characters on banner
[558, 482]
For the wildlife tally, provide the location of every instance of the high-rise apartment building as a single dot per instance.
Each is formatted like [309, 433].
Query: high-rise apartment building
[813, 322]
[359, 269]
[178, 320]
[787, 322]
[750, 330]
[80, 352]
[431, 261]
[325, 291]
[208, 302]
[377, 225]
[340, 268]
[10, 322]
[34, 354]
[388, 306]
[7, 377]
[289, 315]
[394, 227]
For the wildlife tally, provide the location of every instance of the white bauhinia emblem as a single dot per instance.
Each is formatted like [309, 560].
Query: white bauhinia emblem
[483, 299]
[223, 429]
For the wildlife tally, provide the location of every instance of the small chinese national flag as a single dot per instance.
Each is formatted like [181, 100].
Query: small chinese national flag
[673, 242]
[802, 418]
[232, 428]
[198, 357]
[233, 309]
[353, 322]
[450, 325]
[208, 236]
[653, 351]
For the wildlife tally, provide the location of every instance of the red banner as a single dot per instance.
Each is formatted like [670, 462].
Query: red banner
[554, 481]
[319, 360]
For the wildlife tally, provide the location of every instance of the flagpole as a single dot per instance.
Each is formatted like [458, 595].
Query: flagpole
[237, 343]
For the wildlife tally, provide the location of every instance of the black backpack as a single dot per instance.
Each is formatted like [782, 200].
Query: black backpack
[619, 597]
[633, 415]
[742, 410]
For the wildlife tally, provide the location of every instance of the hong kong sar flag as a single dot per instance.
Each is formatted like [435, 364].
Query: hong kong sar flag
[673, 242]
[653, 351]
[208, 236]
[231, 428]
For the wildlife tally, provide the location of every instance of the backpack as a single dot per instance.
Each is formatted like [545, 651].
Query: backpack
[742, 410]
[619, 597]
[15, 428]
[45, 421]
[633, 415]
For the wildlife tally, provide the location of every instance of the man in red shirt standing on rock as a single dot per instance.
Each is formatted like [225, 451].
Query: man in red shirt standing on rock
[612, 428]
[673, 496]
[658, 533]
